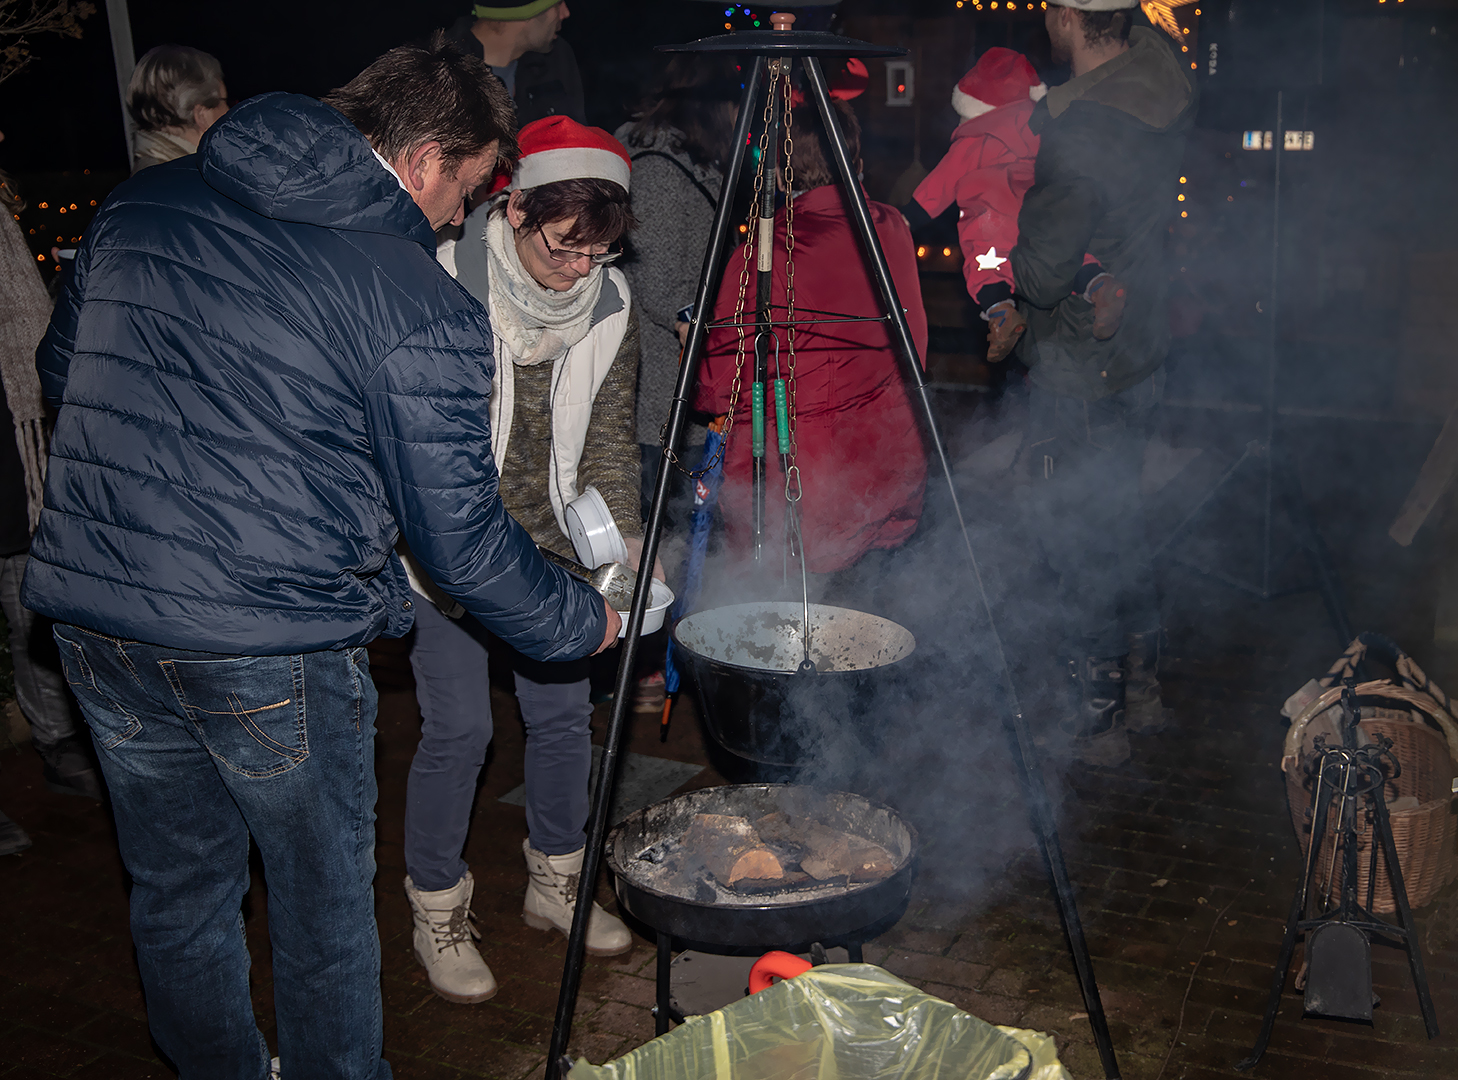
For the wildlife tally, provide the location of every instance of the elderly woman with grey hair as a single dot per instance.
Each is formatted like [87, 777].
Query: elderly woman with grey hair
[175, 95]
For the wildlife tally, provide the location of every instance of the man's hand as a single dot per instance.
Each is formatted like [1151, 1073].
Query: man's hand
[614, 624]
[1106, 293]
[1004, 327]
[682, 329]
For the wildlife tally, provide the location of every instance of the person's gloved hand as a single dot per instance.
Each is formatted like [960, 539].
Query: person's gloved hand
[1004, 326]
[1107, 294]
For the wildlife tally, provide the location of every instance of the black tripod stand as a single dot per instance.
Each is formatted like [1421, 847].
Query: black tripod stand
[1276, 473]
[785, 48]
[1339, 936]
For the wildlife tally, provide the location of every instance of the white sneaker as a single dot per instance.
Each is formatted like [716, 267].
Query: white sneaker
[551, 897]
[443, 942]
[273, 1069]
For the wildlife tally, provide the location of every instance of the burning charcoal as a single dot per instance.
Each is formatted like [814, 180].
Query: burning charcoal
[654, 855]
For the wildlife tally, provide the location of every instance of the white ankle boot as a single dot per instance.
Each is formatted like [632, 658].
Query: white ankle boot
[444, 945]
[551, 897]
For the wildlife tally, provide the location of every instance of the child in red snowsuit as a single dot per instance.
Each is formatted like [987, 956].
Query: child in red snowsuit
[986, 172]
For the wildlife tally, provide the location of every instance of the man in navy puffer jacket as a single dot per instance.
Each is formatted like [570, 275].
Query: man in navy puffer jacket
[264, 380]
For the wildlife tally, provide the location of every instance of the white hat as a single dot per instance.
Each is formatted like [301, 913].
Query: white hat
[1096, 5]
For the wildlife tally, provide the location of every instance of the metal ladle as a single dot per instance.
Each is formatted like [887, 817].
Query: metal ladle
[616, 581]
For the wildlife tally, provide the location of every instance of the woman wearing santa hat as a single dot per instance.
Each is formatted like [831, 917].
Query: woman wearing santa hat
[538, 256]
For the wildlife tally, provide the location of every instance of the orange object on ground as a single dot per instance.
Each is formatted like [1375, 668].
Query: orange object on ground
[775, 964]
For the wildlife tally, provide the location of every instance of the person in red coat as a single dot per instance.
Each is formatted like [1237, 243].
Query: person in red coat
[986, 172]
[860, 452]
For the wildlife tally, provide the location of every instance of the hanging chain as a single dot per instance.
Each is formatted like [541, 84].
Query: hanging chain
[748, 248]
[793, 490]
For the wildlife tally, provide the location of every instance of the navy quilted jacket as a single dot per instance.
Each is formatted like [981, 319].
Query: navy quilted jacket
[264, 379]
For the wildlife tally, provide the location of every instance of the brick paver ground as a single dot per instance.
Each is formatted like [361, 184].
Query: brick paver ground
[1184, 861]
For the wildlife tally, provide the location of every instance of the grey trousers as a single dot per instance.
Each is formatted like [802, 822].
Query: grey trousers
[454, 692]
[1081, 464]
[40, 687]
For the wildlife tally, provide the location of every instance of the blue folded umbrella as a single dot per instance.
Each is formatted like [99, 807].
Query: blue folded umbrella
[706, 496]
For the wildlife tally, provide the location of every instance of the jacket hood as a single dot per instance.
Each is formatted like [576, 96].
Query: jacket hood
[1146, 81]
[292, 158]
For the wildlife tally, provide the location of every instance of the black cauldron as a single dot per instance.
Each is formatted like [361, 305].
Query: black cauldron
[743, 660]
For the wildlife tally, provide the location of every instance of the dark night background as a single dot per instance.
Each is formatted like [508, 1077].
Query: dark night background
[63, 112]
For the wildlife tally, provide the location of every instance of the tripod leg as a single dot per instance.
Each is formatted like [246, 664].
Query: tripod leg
[1293, 924]
[602, 796]
[1404, 913]
[661, 1013]
[1327, 582]
[1024, 756]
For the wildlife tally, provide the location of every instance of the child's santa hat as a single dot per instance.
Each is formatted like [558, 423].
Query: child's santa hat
[1000, 77]
[559, 148]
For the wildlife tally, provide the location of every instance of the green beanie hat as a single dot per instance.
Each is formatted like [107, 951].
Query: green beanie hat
[514, 12]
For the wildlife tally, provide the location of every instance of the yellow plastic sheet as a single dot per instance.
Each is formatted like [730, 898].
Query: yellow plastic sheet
[837, 1022]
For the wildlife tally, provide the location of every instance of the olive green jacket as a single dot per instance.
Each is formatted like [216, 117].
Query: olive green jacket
[1105, 182]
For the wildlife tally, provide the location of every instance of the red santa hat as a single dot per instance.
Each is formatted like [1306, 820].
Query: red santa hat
[1000, 77]
[559, 148]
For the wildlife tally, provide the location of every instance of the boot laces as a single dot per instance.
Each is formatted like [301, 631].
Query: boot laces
[456, 929]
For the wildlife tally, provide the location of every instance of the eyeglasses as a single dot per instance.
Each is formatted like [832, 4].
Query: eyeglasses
[562, 255]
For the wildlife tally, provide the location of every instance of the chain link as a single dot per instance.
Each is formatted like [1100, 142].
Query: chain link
[750, 243]
[793, 489]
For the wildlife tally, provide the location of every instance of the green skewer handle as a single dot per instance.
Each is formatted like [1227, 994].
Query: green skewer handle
[756, 400]
[782, 416]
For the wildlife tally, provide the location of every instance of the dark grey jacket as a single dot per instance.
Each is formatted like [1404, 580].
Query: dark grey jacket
[1105, 182]
[547, 84]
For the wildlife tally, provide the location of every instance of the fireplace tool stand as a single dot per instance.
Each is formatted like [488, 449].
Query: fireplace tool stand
[1339, 937]
[784, 48]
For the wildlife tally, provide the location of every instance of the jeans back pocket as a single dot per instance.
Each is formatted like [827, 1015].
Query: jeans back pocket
[248, 711]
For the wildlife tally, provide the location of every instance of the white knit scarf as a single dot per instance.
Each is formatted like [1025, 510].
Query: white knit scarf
[537, 323]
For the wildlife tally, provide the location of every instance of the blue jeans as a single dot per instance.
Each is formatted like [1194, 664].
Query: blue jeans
[454, 692]
[200, 751]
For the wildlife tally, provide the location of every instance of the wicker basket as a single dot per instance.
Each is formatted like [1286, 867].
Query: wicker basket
[1426, 838]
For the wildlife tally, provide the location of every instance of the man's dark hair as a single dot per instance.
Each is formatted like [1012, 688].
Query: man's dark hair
[598, 209]
[434, 93]
[1105, 27]
[811, 161]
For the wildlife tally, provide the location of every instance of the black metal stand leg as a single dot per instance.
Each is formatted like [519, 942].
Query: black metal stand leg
[1278, 984]
[1404, 914]
[602, 795]
[853, 950]
[1321, 804]
[1024, 755]
[662, 1020]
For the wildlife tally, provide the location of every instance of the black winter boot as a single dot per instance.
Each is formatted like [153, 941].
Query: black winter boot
[1144, 711]
[1098, 731]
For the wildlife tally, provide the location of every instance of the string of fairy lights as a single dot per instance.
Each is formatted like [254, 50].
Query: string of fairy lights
[59, 220]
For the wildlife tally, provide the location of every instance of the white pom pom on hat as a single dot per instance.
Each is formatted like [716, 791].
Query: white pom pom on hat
[1000, 77]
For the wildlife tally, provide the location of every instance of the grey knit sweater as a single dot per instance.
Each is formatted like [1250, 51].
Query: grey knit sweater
[674, 222]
